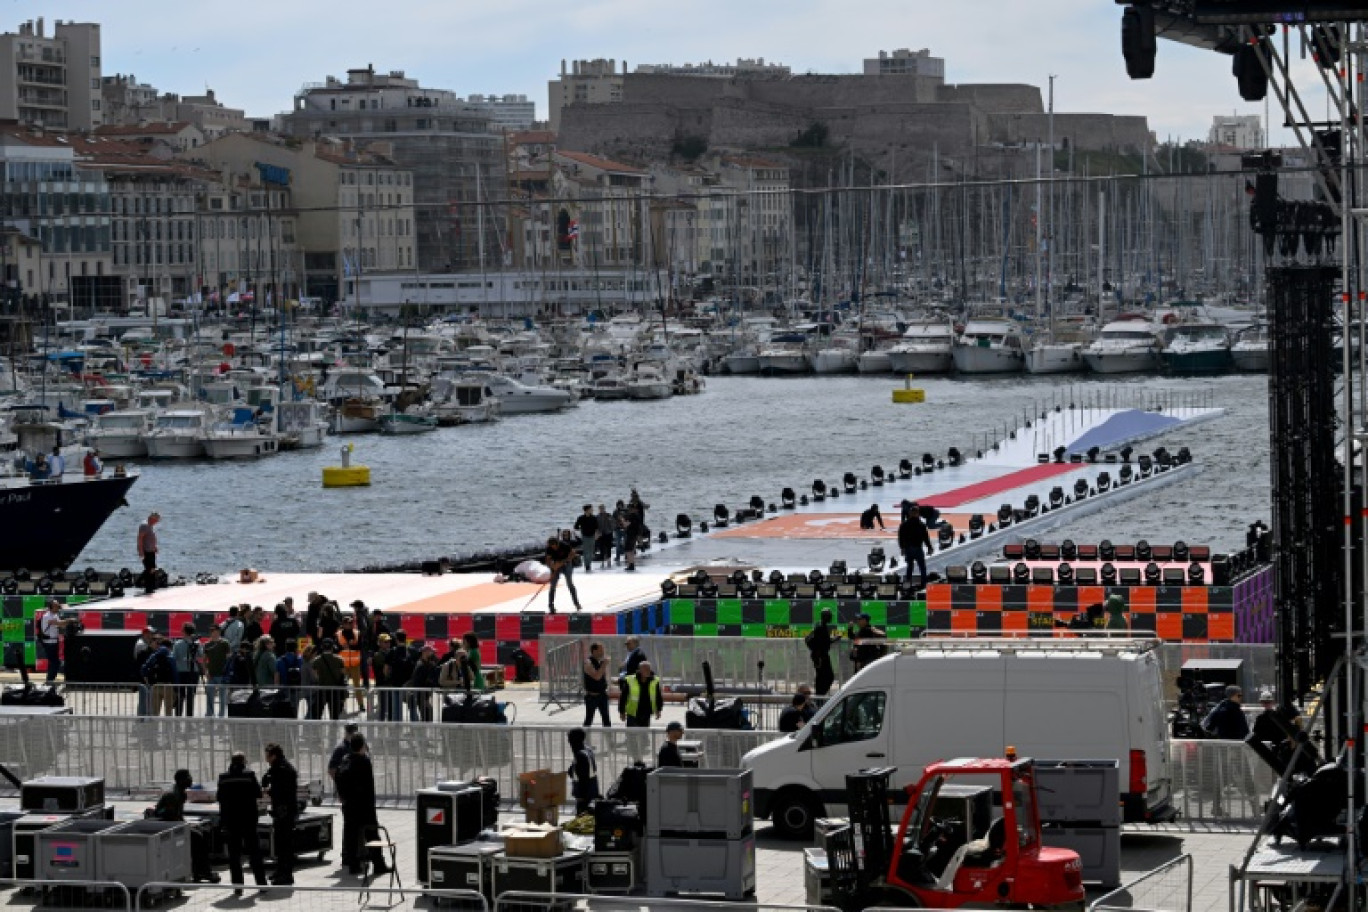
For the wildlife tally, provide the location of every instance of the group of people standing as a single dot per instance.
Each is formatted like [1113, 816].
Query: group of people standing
[342, 655]
[640, 695]
[596, 537]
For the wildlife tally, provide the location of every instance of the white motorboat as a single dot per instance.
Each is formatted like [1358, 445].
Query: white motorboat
[301, 424]
[121, 434]
[610, 389]
[743, 361]
[1196, 348]
[925, 348]
[240, 438]
[179, 434]
[1124, 346]
[1250, 350]
[836, 357]
[874, 361]
[648, 382]
[463, 401]
[517, 398]
[1054, 358]
[989, 346]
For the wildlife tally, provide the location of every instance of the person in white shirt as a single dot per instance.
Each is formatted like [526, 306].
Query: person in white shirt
[50, 627]
[56, 464]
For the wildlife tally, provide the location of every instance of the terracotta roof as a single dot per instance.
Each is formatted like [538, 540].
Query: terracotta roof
[752, 161]
[149, 129]
[532, 137]
[602, 164]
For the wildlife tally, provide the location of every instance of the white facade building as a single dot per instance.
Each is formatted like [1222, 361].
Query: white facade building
[904, 62]
[1237, 132]
[531, 293]
[52, 81]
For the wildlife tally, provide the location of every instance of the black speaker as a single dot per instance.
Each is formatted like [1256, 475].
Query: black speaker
[1139, 45]
[1248, 69]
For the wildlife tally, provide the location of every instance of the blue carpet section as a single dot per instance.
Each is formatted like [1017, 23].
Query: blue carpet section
[1125, 426]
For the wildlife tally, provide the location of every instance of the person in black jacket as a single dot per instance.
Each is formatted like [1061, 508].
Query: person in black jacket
[819, 643]
[668, 755]
[866, 638]
[238, 794]
[586, 525]
[913, 542]
[281, 782]
[171, 807]
[871, 516]
[356, 787]
[584, 784]
[793, 717]
[1227, 721]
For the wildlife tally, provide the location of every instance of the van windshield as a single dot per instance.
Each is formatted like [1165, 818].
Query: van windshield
[858, 717]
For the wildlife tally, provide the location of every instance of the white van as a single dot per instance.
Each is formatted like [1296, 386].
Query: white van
[938, 699]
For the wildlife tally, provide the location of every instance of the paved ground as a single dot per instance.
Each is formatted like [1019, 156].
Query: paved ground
[780, 871]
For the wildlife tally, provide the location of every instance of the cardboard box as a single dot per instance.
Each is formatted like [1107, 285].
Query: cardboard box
[549, 815]
[532, 840]
[541, 789]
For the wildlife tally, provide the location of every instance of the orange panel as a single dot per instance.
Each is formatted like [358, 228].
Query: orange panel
[938, 597]
[1016, 621]
[1142, 598]
[1169, 626]
[1091, 595]
[1221, 627]
[1194, 600]
[1040, 598]
[964, 620]
[989, 598]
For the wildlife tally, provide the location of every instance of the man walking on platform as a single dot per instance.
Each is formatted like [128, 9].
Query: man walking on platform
[147, 551]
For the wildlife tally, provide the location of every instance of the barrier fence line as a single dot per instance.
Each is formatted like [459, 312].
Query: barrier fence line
[1217, 782]
[104, 894]
[306, 899]
[1167, 888]
[518, 900]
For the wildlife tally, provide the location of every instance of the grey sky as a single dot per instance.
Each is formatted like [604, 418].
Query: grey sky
[257, 54]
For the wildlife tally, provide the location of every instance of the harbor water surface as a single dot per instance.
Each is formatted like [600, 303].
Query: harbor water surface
[511, 483]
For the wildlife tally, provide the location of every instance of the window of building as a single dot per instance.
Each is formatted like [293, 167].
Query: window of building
[95, 62]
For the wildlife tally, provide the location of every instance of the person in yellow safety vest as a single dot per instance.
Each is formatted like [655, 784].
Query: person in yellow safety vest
[641, 698]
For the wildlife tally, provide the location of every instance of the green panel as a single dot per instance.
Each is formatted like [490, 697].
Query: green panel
[681, 611]
[917, 614]
[30, 654]
[705, 630]
[877, 611]
[828, 604]
[777, 611]
[34, 604]
[12, 630]
[728, 611]
[74, 600]
[899, 632]
[759, 631]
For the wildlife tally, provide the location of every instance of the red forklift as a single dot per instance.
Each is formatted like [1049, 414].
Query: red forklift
[970, 836]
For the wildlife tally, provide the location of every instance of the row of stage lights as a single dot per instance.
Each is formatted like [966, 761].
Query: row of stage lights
[61, 583]
[1145, 466]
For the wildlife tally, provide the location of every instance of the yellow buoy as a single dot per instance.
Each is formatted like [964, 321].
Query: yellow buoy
[346, 475]
[908, 394]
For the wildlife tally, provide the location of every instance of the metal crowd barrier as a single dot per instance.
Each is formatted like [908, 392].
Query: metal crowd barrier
[1168, 888]
[519, 901]
[201, 897]
[734, 661]
[103, 894]
[1214, 782]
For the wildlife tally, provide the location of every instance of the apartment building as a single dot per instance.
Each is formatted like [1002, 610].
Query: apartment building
[52, 81]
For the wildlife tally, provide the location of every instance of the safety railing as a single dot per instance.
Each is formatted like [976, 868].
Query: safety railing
[735, 663]
[520, 901]
[1213, 782]
[70, 893]
[378, 895]
[1219, 782]
[1168, 888]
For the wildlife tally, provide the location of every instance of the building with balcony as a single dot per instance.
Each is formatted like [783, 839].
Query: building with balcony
[1234, 131]
[452, 148]
[52, 81]
[353, 210]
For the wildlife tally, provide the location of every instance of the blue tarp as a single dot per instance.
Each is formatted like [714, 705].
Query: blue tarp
[1117, 429]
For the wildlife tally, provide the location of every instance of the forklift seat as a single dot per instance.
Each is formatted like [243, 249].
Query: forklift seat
[984, 852]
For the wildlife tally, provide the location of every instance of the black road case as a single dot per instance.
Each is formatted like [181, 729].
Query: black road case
[313, 834]
[463, 867]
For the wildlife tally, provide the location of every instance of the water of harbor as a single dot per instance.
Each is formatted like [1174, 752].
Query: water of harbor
[466, 489]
